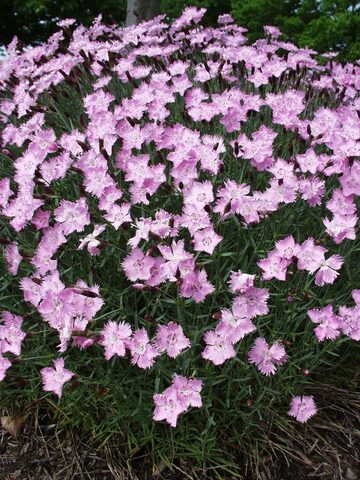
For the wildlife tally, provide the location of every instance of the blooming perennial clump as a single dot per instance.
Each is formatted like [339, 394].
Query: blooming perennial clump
[135, 160]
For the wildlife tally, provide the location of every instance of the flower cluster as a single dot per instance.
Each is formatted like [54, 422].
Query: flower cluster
[309, 256]
[331, 325]
[177, 132]
[182, 394]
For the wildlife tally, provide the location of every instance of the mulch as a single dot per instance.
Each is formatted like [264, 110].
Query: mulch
[43, 451]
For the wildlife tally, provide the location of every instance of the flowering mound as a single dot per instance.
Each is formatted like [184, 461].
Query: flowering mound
[178, 207]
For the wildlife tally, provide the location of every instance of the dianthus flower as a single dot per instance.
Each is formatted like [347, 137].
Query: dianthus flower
[302, 408]
[266, 357]
[113, 338]
[55, 378]
[170, 338]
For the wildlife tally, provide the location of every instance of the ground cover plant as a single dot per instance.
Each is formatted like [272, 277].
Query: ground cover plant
[179, 231]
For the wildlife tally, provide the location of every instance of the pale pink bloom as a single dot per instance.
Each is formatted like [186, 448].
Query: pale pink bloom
[310, 256]
[328, 271]
[54, 378]
[196, 286]
[113, 338]
[167, 406]
[73, 216]
[341, 227]
[118, 214]
[274, 266]
[356, 296]
[350, 180]
[174, 255]
[11, 335]
[195, 218]
[302, 408]
[206, 240]
[266, 357]
[254, 300]
[349, 320]
[143, 354]
[341, 204]
[273, 31]
[32, 290]
[312, 190]
[235, 323]
[240, 282]
[199, 194]
[218, 348]
[188, 391]
[137, 266]
[13, 257]
[170, 338]
[82, 342]
[159, 273]
[287, 248]
[182, 394]
[5, 191]
[225, 18]
[5, 364]
[91, 241]
[66, 22]
[41, 219]
[328, 323]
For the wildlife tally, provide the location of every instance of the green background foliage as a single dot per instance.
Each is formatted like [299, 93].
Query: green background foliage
[320, 24]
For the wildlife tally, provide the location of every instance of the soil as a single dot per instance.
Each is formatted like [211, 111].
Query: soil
[44, 452]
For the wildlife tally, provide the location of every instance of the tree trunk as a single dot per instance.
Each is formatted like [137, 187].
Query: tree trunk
[141, 10]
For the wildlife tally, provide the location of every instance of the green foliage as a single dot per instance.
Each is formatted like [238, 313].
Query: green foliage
[34, 20]
[323, 25]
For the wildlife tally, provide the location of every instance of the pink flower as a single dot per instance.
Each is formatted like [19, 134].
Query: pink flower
[206, 240]
[196, 286]
[91, 240]
[167, 406]
[349, 319]
[41, 219]
[13, 258]
[170, 338]
[310, 256]
[254, 300]
[235, 323]
[218, 348]
[182, 394]
[274, 266]
[328, 273]
[240, 282]
[188, 391]
[11, 335]
[118, 214]
[5, 364]
[329, 325]
[302, 408]
[265, 357]
[142, 352]
[137, 266]
[114, 337]
[312, 190]
[55, 378]
[287, 248]
[73, 216]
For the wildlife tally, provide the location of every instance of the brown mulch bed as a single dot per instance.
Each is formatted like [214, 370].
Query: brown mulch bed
[43, 451]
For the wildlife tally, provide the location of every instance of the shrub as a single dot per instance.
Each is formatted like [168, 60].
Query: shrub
[178, 214]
